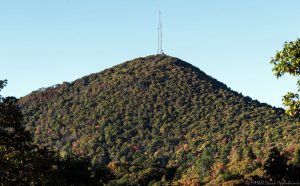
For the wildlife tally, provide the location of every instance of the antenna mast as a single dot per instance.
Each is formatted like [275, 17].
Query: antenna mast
[159, 49]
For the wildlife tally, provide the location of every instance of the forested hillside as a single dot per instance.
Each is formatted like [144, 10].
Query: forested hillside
[159, 119]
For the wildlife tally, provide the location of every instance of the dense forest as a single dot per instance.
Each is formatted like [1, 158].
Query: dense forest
[157, 121]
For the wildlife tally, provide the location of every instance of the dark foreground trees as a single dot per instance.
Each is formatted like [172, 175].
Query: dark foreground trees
[278, 169]
[22, 163]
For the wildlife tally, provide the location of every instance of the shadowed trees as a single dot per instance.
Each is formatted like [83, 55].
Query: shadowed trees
[23, 163]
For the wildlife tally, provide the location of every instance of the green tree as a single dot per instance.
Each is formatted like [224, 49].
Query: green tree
[205, 162]
[287, 61]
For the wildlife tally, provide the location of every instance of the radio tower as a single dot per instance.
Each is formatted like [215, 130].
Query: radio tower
[159, 40]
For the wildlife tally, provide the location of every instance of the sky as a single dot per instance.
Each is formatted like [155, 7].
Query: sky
[44, 43]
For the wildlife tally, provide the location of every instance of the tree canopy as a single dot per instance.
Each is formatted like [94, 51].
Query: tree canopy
[24, 163]
[20, 162]
[150, 121]
[157, 113]
[287, 61]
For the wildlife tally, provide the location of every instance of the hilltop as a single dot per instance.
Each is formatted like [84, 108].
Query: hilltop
[158, 112]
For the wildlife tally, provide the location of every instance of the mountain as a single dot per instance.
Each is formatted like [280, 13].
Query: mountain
[158, 115]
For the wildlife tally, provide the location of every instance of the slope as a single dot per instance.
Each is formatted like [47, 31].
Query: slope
[157, 111]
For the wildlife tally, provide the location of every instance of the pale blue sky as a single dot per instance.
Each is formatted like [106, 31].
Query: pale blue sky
[46, 42]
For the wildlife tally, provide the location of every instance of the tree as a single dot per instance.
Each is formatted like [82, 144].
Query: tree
[287, 61]
[276, 166]
[205, 162]
[21, 162]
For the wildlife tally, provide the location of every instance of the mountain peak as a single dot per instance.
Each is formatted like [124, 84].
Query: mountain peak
[155, 110]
